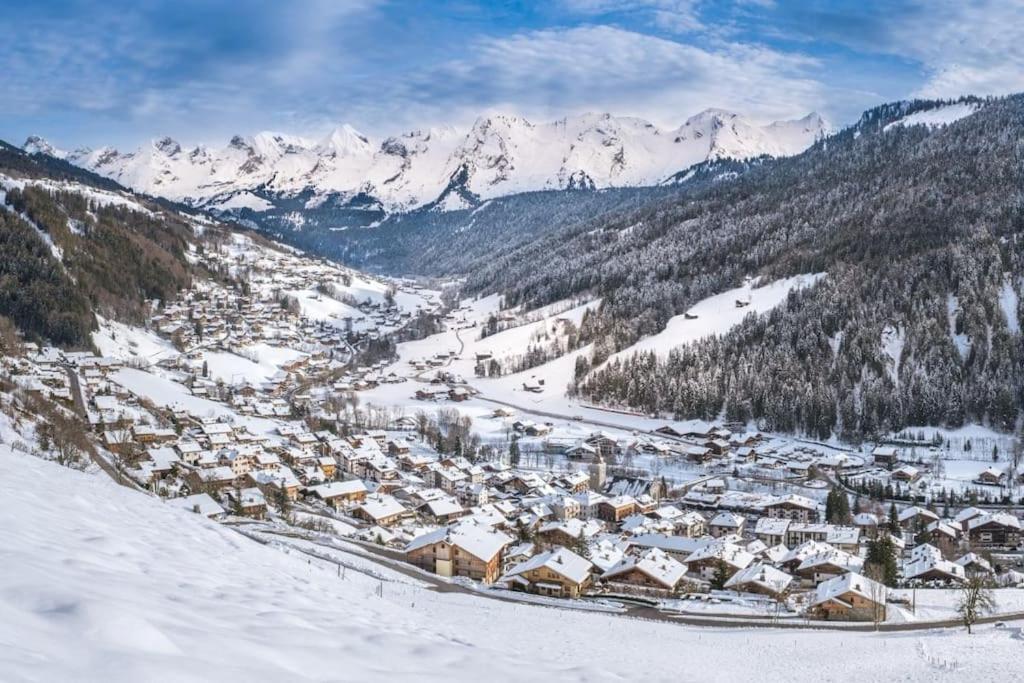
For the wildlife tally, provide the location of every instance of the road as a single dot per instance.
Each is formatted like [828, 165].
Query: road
[79, 400]
[76, 392]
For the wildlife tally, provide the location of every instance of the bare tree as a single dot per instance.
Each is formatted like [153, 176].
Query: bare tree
[877, 592]
[976, 599]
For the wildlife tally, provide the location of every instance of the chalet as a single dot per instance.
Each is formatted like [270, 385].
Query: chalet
[794, 557]
[691, 524]
[943, 536]
[559, 573]
[725, 523]
[927, 564]
[717, 446]
[398, 447]
[905, 474]
[794, 507]
[850, 597]
[966, 515]
[248, 502]
[974, 564]
[761, 579]
[827, 564]
[772, 531]
[381, 509]
[604, 443]
[443, 509]
[215, 478]
[574, 482]
[199, 503]
[915, 517]
[706, 562]
[581, 451]
[464, 550]
[275, 482]
[339, 494]
[565, 507]
[885, 455]
[997, 530]
[696, 453]
[653, 569]
[990, 476]
[147, 434]
[867, 522]
[569, 532]
[616, 509]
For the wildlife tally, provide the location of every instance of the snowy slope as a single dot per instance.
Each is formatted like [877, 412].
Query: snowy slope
[939, 116]
[103, 583]
[498, 155]
[717, 314]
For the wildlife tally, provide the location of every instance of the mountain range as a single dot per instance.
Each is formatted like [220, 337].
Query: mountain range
[443, 167]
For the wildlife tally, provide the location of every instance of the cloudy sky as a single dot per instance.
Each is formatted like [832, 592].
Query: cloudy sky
[83, 72]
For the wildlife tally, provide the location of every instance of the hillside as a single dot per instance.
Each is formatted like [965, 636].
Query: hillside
[104, 583]
[76, 243]
[917, 321]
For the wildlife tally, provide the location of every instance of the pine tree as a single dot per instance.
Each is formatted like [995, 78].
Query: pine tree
[882, 554]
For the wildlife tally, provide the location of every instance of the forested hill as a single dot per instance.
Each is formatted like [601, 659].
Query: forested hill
[917, 322]
[74, 243]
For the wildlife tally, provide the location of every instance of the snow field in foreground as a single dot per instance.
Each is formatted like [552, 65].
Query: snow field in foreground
[102, 583]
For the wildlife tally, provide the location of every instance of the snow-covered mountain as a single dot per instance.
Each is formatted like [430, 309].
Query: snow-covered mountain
[445, 167]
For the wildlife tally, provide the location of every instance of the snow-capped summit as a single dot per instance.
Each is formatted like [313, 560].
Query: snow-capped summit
[498, 155]
[37, 145]
[345, 141]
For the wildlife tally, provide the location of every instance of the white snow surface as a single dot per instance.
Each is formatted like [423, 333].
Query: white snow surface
[502, 154]
[893, 341]
[166, 393]
[939, 116]
[101, 583]
[718, 314]
[1009, 302]
[117, 340]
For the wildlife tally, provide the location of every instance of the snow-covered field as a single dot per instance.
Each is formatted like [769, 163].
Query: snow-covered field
[939, 116]
[718, 314]
[118, 340]
[102, 583]
[165, 393]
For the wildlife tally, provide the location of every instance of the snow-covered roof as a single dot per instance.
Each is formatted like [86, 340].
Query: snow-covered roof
[729, 553]
[1000, 518]
[927, 558]
[338, 488]
[655, 564]
[794, 500]
[851, 582]
[560, 560]
[761, 575]
[381, 506]
[199, 502]
[728, 519]
[479, 541]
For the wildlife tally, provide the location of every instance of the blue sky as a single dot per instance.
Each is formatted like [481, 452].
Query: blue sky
[83, 72]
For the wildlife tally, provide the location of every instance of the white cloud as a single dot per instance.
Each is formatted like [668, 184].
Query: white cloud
[677, 16]
[552, 72]
[967, 47]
